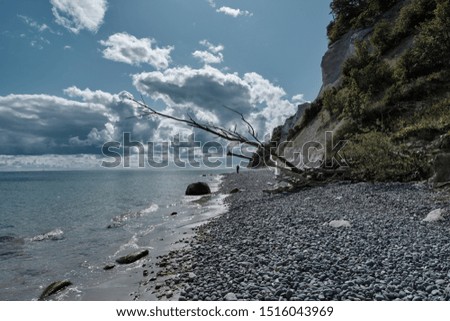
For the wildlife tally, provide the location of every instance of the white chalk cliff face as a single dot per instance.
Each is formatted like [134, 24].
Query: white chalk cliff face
[332, 64]
[337, 54]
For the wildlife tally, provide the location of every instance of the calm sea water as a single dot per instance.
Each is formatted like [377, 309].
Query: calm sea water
[68, 225]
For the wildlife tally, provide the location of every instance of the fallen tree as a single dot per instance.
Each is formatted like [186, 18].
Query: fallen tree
[249, 138]
[266, 154]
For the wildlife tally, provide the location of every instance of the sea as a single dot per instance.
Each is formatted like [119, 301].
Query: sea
[58, 225]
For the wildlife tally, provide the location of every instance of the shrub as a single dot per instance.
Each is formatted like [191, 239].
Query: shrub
[371, 11]
[430, 52]
[412, 15]
[428, 122]
[370, 73]
[366, 76]
[382, 37]
[373, 156]
[309, 115]
[344, 12]
[354, 14]
[331, 102]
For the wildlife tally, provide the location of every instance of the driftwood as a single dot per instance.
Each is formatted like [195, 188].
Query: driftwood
[309, 178]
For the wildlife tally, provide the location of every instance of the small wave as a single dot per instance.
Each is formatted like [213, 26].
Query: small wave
[11, 246]
[120, 220]
[54, 235]
[132, 244]
[216, 182]
[151, 209]
[147, 231]
[7, 239]
[8, 253]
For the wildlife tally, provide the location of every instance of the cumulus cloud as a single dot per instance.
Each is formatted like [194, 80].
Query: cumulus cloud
[234, 12]
[92, 96]
[212, 55]
[123, 47]
[121, 114]
[207, 57]
[203, 93]
[78, 15]
[32, 124]
[85, 119]
[44, 124]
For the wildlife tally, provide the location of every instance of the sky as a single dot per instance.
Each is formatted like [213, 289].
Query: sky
[67, 66]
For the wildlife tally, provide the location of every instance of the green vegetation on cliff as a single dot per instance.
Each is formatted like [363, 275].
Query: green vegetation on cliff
[353, 14]
[394, 93]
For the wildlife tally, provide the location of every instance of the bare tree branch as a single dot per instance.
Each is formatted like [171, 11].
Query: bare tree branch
[228, 134]
[230, 153]
[251, 129]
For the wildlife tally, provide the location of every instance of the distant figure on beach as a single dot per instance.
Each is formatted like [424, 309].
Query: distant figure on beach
[237, 169]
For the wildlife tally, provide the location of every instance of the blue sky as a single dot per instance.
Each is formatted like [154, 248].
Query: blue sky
[64, 63]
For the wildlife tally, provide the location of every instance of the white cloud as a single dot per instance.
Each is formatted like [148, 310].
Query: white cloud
[44, 124]
[83, 122]
[32, 124]
[80, 14]
[67, 47]
[36, 33]
[234, 12]
[35, 44]
[212, 48]
[299, 99]
[87, 95]
[123, 47]
[212, 3]
[229, 11]
[203, 93]
[207, 57]
[49, 162]
[33, 24]
[120, 114]
[211, 56]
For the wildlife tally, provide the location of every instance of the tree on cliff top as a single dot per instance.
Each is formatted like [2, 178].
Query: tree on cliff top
[348, 14]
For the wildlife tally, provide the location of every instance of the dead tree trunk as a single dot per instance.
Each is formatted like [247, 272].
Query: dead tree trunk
[250, 138]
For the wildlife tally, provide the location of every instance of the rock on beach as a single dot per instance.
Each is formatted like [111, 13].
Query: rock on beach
[434, 216]
[133, 257]
[197, 189]
[339, 223]
[53, 288]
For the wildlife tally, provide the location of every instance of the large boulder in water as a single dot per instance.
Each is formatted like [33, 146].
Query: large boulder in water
[133, 257]
[54, 288]
[199, 188]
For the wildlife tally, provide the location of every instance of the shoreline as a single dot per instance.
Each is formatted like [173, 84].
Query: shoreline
[154, 286]
[125, 282]
[130, 282]
[283, 247]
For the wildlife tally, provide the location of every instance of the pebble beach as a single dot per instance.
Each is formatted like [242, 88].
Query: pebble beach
[342, 241]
